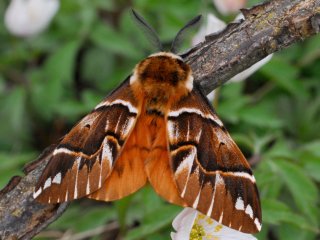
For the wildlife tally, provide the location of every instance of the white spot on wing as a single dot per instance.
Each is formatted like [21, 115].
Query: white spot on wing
[69, 152]
[188, 131]
[100, 173]
[171, 129]
[189, 83]
[106, 154]
[196, 201]
[127, 126]
[66, 198]
[243, 175]
[196, 111]
[218, 181]
[249, 211]
[57, 178]
[187, 161]
[131, 108]
[107, 125]
[211, 205]
[239, 204]
[75, 195]
[37, 193]
[127, 104]
[218, 121]
[199, 135]
[88, 186]
[257, 223]
[221, 218]
[62, 150]
[47, 183]
[116, 128]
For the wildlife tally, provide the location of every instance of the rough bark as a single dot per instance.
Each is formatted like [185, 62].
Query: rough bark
[266, 29]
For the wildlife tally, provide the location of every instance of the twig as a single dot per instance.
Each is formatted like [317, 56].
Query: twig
[266, 29]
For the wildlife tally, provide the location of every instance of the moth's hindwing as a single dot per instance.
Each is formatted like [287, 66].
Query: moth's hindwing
[128, 173]
[157, 164]
[211, 173]
[86, 155]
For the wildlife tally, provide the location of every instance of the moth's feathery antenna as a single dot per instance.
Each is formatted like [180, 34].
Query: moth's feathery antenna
[150, 32]
[179, 37]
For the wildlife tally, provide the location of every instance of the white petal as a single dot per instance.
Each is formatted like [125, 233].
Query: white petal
[249, 71]
[29, 17]
[229, 6]
[211, 25]
[246, 73]
[173, 236]
[211, 96]
[183, 224]
[210, 229]
[213, 228]
[239, 17]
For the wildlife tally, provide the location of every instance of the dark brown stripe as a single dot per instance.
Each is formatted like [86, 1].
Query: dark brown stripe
[185, 115]
[154, 112]
[112, 108]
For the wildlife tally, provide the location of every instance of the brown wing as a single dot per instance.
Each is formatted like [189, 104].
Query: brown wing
[128, 174]
[85, 157]
[145, 155]
[156, 155]
[211, 173]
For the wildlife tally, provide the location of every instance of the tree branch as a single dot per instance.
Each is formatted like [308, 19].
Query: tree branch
[266, 29]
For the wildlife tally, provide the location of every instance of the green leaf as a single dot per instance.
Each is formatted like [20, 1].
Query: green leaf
[122, 206]
[276, 212]
[312, 166]
[260, 115]
[79, 219]
[233, 102]
[60, 65]
[268, 184]
[285, 76]
[97, 68]
[311, 51]
[15, 119]
[313, 148]
[292, 232]
[153, 222]
[280, 149]
[50, 85]
[12, 164]
[303, 190]
[109, 39]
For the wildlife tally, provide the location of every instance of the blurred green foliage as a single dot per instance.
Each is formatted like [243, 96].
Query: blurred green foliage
[50, 81]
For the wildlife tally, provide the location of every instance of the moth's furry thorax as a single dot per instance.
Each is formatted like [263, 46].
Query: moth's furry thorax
[161, 79]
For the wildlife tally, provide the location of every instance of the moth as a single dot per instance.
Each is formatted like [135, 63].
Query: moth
[157, 127]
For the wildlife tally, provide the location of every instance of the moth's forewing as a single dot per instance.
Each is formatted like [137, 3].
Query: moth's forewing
[211, 173]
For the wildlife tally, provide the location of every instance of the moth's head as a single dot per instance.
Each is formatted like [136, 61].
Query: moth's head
[164, 69]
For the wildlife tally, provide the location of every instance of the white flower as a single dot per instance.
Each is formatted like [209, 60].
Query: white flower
[211, 25]
[215, 25]
[229, 6]
[28, 17]
[193, 225]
